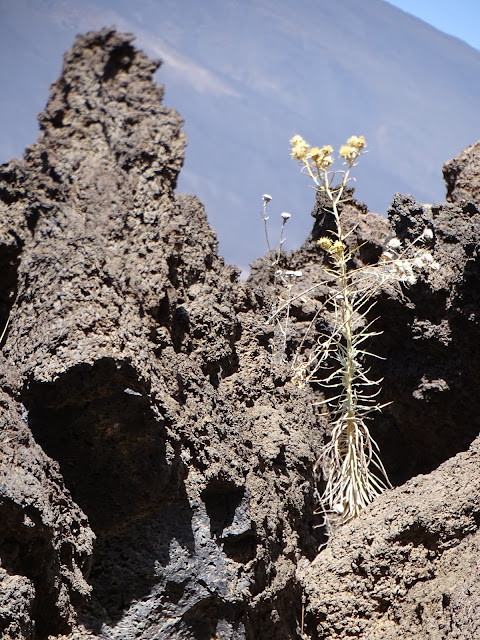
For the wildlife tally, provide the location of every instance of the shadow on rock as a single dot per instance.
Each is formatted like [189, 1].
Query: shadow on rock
[100, 424]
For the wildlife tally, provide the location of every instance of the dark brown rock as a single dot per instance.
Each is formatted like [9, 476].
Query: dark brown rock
[141, 373]
[408, 566]
[462, 175]
[45, 540]
[430, 342]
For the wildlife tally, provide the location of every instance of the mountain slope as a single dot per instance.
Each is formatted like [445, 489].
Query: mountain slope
[248, 75]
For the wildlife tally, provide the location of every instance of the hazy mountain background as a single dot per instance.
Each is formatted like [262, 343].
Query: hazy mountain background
[248, 74]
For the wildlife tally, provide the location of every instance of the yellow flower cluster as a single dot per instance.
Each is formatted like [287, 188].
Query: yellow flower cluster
[302, 151]
[352, 149]
[357, 142]
[325, 243]
[335, 248]
[299, 148]
[322, 157]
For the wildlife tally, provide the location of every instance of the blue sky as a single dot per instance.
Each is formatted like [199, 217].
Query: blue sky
[460, 18]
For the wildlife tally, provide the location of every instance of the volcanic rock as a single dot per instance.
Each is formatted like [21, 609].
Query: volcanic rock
[158, 463]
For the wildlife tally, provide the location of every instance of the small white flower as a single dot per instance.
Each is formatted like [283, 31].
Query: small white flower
[427, 257]
[394, 243]
[286, 215]
[428, 234]
[406, 267]
[418, 262]
[267, 197]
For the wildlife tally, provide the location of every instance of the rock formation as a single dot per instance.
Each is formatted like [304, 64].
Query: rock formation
[157, 469]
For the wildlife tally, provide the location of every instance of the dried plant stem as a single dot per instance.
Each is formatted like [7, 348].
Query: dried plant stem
[347, 459]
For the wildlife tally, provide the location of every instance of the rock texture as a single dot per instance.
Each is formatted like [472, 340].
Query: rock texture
[157, 461]
[408, 566]
[141, 411]
[462, 176]
[407, 569]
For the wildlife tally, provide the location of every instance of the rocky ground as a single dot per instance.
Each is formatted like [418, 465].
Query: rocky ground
[157, 461]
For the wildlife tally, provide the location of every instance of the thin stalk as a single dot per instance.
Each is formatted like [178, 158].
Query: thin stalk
[346, 459]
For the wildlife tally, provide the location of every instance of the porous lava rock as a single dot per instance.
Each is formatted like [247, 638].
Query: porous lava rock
[157, 475]
[408, 566]
[157, 461]
[462, 175]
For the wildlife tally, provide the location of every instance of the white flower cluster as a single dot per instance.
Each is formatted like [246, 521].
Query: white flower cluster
[398, 266]
[287, 277]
